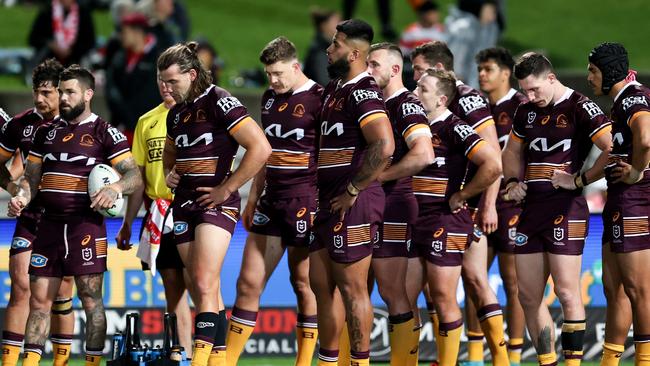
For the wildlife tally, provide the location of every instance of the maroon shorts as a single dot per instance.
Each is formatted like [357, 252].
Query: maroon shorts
[625, 221]
[189, 214]
[352, 239]
[503, 240]
[25, 232]
[289, 218]
[74, 246]
[557, 226]
[400, 213]
[443, 238]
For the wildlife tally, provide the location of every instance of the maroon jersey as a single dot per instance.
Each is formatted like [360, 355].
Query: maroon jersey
[631, 102]
[409, 120]
[290, 124]
[470, 106]
[18, 132]
[68, 152]
[202, 132]
[347, 107]
[454, 142]
[504, 111]
[558, 136]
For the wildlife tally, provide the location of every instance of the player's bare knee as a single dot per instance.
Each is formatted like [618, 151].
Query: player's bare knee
[249, 286]
[352, 291]
[529, 299]
[20, 291]
[511, 289]
[301, 287]
[569, 298]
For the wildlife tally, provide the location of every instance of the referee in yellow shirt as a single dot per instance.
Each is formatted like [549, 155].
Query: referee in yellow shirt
[148, 143]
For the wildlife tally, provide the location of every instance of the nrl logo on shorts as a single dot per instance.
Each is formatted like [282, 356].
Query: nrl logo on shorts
[531, 117]
[86, 254]
[436, 245]
[558, 233]
[512, 233]
[338, 241]
[616, 231]
[301, 226]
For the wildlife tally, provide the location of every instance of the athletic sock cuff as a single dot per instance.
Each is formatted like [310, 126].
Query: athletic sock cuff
[400, 318]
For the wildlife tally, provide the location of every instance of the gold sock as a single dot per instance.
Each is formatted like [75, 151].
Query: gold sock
[61, 353]
[31, 358]
[611, 354]
[360, 362]
[547, 359]
[493, 329]
[10, 355]
[201, 352]
[435, 323]
[327, 357]
[306, 338]
[414, 350]
[401, 341]
[449, 342]
[326, 363]
[474, 346]
[344, 347]
[514, 350]
[217, 357]
[93, 358]
[642, 353]
[236, 338]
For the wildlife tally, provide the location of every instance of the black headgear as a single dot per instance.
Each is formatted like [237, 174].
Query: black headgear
[611, 59]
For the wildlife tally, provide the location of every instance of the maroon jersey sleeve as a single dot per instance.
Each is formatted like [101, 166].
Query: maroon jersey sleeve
[8, 138]
[464, 138]
[412, 120]
[521, 118]
[635, 106]
[36, 152]
[366, 103]
[592, 119]
[231, 111]
[115, 144]
[473, 108]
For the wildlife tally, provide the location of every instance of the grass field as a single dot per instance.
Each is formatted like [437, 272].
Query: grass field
[279, 361]
[566, 30]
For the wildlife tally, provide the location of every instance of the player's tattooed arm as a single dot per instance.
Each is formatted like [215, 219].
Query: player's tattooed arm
[89, 290]
[131, 178]
[379, 136]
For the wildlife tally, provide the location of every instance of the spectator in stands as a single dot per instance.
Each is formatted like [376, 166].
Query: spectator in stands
[118, 9]
[383, 10]
[171, 23]
[63, 29]
[210, 59]
[426, 29]
[131, 88]
[315, 66]
[472, 25]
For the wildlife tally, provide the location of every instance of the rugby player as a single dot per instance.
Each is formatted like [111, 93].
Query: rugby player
[204, 130]
[554, 131]
[15, 142]
[355, 146]
[391, 253]
[470, 106]
[494, 74]
[71, 238]
[626, 239]
[148, 143]
[281, 218]
[444, 226]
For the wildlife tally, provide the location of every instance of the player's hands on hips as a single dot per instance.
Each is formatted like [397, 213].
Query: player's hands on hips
[457, 202]
[624, 172]
[105, 197]
[562, 179]
[213, 195]
[488, 219]
[515, 191]
[172, 179]
[342, 203]
[247, 216]
[123, 237]
[16, 205]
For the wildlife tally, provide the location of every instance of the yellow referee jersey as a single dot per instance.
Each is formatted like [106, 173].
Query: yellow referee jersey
[148, 144]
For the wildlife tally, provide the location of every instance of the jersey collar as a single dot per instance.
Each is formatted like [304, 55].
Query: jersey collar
[565, 96]
[441, 117]
[396, 94]
[620, 92]
[355, 79]
[511, 93]
[306, 86]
